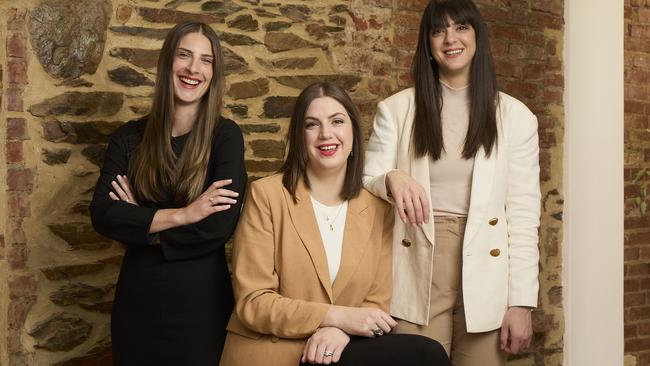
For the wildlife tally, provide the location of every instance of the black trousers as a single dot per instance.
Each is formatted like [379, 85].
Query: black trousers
[392, 350]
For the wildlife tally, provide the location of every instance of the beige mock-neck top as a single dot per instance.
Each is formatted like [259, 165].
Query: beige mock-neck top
[451, 176]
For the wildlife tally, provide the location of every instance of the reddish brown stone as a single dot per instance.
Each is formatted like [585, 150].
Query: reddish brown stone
[15, 99]
[279, 107]
[17, 71]
[155, 33]
[55, 157]
[272, 149]
[18, 204]
[279, 42]
[249, 89]
[276, 26]
[14, 152]
[80, 236]
[20, 179]
[17, 312]
[123, 13]
[66, 272]
[347, 82]
[22, 287]
[263, 165]
[175, 16]
[297, 13]
[17, 256]
[145, 58]
[16, 46]
[79, 104]
[245, 22]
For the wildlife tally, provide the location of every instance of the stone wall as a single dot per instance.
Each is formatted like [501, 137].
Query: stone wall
[637, 180]
[72, 73]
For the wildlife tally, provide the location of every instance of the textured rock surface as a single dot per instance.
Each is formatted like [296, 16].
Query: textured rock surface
[61, 332]
[249, 89]
[68, 36]
[80, 104]
[127, 76]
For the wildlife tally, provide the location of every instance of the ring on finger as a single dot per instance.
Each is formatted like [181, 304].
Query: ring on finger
[328, 353]
[378, 332]
[211, 199]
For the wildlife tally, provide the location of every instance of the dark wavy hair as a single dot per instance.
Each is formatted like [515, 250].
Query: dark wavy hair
[426, 138]
[155, 169]
[295, 165]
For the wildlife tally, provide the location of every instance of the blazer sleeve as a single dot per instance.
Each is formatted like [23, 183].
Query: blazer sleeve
[523, 206]
[381, 152]
[382, 288]
[118, 220]
[227, 162]
[259, 305]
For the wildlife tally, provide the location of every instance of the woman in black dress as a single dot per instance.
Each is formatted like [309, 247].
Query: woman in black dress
[170, 189]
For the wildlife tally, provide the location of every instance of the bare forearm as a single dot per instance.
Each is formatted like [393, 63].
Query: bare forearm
[167, 219]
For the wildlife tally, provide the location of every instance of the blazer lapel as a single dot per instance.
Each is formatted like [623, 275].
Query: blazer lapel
[305, 224]
[358, 226]
[482, 180]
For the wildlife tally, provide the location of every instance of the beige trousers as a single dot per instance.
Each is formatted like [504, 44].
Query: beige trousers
[446, 314]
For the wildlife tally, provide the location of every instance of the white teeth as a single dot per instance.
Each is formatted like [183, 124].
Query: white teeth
[453, 52]
[328, 148]
[189, 81]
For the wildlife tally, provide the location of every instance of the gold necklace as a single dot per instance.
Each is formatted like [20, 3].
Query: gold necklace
[330, 223]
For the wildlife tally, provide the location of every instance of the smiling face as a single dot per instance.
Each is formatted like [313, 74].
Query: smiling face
[192, 68]
[328, 136]
[453, 49]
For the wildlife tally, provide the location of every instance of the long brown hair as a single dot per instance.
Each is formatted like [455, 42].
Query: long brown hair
[156, 171]
[295, 166]
[426, 137]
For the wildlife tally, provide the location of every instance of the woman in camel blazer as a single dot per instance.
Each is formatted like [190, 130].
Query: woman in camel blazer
[465, 264]
[288, 309]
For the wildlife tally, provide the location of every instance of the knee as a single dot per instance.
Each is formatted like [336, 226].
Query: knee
[433, 352]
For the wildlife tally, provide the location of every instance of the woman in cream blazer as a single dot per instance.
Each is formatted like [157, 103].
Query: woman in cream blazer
[297, 299]
[498, 254]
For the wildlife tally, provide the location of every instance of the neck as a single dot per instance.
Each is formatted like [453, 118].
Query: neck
[326, 187]
[184, 118]
[457, 80]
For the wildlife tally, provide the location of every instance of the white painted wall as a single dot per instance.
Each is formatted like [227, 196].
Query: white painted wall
[593, 179]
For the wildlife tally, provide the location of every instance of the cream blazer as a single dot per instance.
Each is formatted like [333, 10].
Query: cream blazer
[500, 246]
[281, 278]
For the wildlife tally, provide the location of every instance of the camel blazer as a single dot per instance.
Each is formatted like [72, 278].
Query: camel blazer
[500, 246]
[281, 277]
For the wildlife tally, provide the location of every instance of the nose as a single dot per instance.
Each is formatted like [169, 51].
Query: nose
[193, 65]
[450, 35]
[325, 131]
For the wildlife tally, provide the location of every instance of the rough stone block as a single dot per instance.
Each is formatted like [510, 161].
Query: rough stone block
[14, 98]
[17, 71]
[279, 106]
[61, 332]
[14, 152]
[245, 22]
[174, 16]
[279, 42]
[16, 46]
[79, 104]
[68, 36]
[70, 271]
[19, 179]
[249, 89]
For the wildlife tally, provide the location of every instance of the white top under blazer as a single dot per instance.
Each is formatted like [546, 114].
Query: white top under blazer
[500, 247]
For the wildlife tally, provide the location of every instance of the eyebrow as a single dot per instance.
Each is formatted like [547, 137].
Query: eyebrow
[329, 117]
[186, 50]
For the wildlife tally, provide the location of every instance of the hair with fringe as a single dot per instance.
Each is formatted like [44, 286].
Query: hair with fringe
[295, 165]
[426, 138]
[155, 170]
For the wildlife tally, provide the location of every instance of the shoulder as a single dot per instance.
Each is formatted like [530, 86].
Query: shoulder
[399, 98]
[510, 106]
[272, 184]
[228, 134]
[130, 133]
[228, 126]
